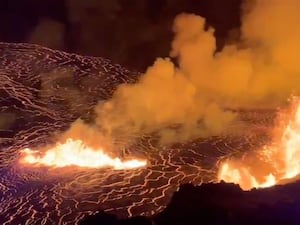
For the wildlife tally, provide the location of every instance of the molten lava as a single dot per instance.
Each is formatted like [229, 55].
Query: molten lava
[273, 163]
[76, 153]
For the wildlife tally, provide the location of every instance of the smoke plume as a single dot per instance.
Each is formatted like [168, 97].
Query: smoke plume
[192, 93]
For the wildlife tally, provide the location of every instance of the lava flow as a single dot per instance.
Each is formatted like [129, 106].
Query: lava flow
[274, 162]
[76, 153]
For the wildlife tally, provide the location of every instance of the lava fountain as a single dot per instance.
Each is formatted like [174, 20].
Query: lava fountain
[76, 153]
[275, 162]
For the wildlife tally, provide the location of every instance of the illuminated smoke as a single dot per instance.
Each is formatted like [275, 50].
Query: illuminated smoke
[192, 93]
[260, 70]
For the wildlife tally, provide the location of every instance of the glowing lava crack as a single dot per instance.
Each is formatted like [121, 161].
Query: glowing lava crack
[76, 153]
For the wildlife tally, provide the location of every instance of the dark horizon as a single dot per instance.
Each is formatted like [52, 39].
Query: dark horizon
[119, 30]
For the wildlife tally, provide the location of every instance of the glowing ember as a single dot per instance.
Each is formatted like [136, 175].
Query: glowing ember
[276, 162]
[75, 153]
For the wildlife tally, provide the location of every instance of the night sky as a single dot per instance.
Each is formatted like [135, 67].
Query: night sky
[129, 32]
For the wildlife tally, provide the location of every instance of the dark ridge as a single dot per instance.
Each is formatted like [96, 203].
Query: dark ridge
[222, 203]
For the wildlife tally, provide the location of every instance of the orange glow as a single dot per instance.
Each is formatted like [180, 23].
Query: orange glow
[75, 153]
[274, 162]
[231, 173]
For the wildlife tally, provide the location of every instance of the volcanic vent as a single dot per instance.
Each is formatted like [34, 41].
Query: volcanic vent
[178, 121]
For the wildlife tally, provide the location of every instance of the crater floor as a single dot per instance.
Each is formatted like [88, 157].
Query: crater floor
[42, 91]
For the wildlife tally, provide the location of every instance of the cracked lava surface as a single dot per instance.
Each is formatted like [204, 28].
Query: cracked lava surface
[40, 96]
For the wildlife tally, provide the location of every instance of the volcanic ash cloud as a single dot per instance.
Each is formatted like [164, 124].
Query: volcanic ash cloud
[261, 70]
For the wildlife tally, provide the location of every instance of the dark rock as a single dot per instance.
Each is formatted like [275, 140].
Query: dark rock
[100, 218]
[224, 204]
[139, 220]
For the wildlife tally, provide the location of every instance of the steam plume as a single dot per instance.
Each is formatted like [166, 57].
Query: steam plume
[189, 98]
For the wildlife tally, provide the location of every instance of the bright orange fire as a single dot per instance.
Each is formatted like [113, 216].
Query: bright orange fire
[76, 153]
[273, 163]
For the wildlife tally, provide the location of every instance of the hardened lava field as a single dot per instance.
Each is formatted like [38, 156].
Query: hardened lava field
[42, 92]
